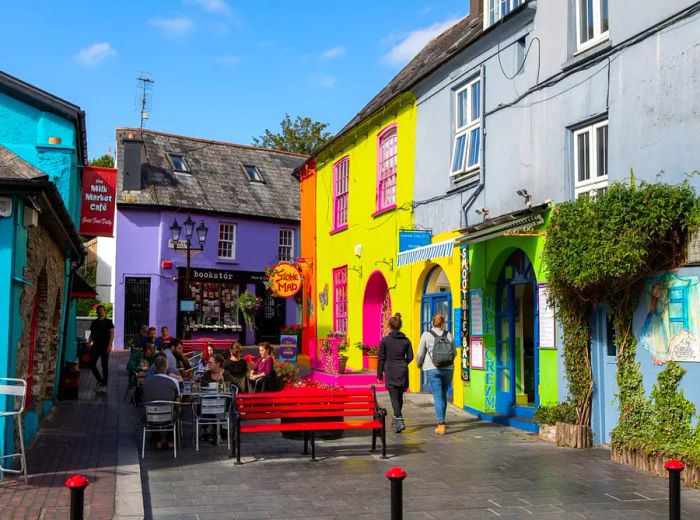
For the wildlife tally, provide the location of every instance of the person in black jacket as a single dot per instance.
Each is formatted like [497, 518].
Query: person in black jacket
[395, 353]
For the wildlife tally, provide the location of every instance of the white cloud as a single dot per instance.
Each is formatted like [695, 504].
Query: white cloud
[411, 45]
[95, 54]
[214, 6]
[173, 27]
[323, 80]
[333, 53]
[228, 61]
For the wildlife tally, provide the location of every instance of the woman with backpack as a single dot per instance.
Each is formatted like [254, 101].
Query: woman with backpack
[436, 355]
[395, 353]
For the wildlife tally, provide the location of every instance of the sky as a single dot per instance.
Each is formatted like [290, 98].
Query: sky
[222, 69]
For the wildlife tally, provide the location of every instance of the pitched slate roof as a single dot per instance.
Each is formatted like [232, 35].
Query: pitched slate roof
[217, 181]
[15, 168]
[437, 52]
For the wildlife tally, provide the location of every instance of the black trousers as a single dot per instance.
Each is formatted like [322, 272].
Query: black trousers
[103, 355]
[396, 396]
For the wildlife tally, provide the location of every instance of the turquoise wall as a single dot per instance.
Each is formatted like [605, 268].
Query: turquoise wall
[25, 130]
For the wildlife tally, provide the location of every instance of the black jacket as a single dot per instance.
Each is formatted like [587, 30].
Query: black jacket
[395, 353]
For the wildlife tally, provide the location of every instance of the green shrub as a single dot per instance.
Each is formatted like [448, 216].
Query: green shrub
[552, 414]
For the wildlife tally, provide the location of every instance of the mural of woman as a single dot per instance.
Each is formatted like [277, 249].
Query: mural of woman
[654, 336]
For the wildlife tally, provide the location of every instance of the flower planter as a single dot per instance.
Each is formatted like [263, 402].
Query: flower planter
[654, 463]
[372, 363]
[342, 363]
[574, 436]
[548, 432]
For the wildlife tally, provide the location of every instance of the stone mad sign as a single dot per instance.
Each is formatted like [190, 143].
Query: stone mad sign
[98, 201]
[284, 279]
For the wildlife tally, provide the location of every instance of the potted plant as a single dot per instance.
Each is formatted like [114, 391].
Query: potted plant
[248, 304]
[333, 352]
[371, 352]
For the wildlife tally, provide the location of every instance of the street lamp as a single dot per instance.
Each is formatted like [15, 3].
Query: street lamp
[175, 230]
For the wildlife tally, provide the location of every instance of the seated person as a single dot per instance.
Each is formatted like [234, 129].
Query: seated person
[160, 387]
[237, 367]
[164, 338]
[263, 376]
[204, 359]
[183, 364]
[149, 338]
[140, 361]
[216, 374]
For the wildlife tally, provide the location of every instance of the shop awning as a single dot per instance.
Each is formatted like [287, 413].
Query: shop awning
[419, 254]
[79, 288]
[504, 224]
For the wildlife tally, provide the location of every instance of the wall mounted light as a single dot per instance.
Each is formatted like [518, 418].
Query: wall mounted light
[483, 212]
[527, 196]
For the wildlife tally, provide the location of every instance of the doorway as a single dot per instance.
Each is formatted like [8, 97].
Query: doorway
[437, 298]
[376, 311]
[137, 298]
[517, 370]
[604, 365]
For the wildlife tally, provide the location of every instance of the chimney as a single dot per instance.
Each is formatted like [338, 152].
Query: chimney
[132, 163]
[476, 9]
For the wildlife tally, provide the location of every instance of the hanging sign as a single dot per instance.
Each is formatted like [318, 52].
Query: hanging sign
[547, 322]
[98, 201]
[284, 279]
[477, 349]
[412, 239]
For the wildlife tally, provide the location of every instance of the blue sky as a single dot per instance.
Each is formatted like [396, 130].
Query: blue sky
[223, 69]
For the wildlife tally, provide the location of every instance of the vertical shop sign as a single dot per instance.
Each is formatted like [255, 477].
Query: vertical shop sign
[464, 322]
[98, 201]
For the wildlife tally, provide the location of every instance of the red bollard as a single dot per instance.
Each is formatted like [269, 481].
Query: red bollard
[674, 468]
[396, 476]
[77, 485]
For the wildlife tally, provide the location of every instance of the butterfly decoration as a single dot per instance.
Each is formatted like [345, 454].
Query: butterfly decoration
[323, 297]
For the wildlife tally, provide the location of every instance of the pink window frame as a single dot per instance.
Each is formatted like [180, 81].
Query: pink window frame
[340, 313]
[381, 138]
[340, 226]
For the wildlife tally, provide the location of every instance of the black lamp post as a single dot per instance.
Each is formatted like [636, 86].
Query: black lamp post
[175, 231]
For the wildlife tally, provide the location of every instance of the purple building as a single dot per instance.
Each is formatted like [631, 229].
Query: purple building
[248, 200]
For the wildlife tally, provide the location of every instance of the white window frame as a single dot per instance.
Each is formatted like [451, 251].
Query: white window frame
[594, 182]
[466, 172]
[232, 241]
[498, 13]
[598, 34]
[289, 246]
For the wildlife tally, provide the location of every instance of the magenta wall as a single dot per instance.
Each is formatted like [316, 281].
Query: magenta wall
[142, 244]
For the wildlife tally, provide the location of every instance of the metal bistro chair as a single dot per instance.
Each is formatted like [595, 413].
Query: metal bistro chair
[160, 416]
[17, 389]
[213, 410]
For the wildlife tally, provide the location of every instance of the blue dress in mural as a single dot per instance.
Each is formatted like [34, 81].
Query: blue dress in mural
[654, 336]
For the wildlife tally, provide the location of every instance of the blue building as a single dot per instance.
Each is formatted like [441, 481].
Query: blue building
[42, 148]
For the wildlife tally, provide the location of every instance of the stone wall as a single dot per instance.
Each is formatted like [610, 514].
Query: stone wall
[41, 305]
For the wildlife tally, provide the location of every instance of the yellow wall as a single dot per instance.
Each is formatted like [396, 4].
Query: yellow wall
[377, 236]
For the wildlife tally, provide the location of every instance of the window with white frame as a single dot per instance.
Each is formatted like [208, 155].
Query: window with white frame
[386, 181]
[341, 188]
[467, 140]
[286, 245]
[494, 10]
[591, 22]
[227, 241]
[591, 160]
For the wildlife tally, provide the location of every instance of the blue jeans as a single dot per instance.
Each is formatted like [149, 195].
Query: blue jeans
[440, 380]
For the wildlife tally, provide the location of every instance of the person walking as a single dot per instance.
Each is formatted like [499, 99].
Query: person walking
[395, 353]
[440, 376]
[101, 341]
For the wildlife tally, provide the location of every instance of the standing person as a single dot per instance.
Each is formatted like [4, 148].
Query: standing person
[440, 376]
[101, 342]
[395, 353]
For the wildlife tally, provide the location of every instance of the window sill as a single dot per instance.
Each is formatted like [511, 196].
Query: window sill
[229, 261]
[383, 210]
[587, 52]
[338, 229]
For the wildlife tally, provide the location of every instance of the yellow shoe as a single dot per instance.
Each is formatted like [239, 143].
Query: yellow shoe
[440, 430]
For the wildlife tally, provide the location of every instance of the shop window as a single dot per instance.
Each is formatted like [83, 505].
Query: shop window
[386, 176]
[286, 245]
[227, 241]
[341, 188]
[340, 299]
[269, 305]
[215, 305]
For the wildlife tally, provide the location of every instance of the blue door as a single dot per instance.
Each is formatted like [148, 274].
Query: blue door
[432, 304]
[604, 363]
[505, 356]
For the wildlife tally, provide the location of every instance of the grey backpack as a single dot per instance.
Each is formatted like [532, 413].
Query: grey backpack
[443, 352]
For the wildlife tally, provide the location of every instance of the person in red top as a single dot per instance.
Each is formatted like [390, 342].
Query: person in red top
[262, 376]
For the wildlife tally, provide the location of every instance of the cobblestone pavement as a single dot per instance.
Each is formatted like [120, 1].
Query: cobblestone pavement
[77, 437]
[478, 470]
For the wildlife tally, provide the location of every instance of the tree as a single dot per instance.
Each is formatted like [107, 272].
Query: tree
[106, 161]
[301, 136]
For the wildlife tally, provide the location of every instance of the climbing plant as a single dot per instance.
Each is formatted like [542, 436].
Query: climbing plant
[600, 251]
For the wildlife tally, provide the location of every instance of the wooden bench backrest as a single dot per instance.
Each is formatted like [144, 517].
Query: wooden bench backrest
[274, 405]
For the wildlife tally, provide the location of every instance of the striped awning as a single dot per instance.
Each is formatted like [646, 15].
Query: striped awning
[419, 254]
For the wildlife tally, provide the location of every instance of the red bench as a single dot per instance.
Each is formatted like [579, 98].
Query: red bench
[304, 410]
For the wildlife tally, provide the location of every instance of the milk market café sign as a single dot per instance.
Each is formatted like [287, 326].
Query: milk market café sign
[284, 279]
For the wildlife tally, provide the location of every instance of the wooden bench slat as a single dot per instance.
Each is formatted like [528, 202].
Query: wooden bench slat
[294, 415]
[316, 400]
[290, 427]
[283, 409]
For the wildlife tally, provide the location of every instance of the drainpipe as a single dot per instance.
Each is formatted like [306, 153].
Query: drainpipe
[482, 149]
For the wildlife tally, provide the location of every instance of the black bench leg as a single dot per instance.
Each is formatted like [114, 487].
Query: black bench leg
[306, 443]
[374, 439]
[383, 437]
[238, 444]
[234, 435]
[313, 447]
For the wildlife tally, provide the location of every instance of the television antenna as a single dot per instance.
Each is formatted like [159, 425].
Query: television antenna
[145, 102]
